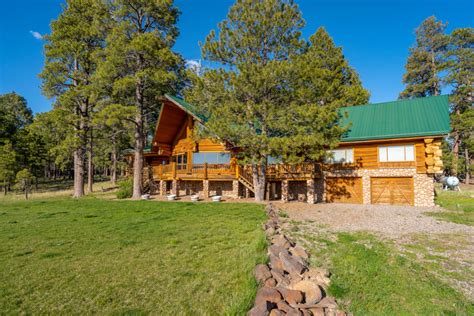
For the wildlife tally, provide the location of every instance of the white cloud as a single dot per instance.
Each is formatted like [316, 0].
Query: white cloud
[194, 65]
[36, 35]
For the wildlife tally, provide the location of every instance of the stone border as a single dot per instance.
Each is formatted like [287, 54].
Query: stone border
[288, 285]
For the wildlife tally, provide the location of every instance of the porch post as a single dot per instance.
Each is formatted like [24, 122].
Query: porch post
[235, 189]
[284, 190]
[162, 187]
[175, 187]
[205, 188]
[310, 191]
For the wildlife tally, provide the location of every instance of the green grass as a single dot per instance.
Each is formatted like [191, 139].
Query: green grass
[371, 277]
[92, 256]
[459, 204]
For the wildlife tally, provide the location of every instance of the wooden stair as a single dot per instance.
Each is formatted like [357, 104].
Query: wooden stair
[246, 179]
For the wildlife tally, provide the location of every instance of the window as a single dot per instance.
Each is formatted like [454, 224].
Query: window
[397, 153]
[211, 157]
[341, 156]
[181, 161]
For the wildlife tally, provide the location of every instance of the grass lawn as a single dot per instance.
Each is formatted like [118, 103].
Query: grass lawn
[91, 255]
[371, 277]
[459, 204]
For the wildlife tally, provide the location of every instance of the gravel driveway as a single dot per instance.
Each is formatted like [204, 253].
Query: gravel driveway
[388, 220]
[451, 244]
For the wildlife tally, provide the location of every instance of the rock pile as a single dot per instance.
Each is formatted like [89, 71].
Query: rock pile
[288, 286]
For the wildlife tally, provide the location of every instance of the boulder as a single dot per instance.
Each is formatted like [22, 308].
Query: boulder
[276, 250]
[260, 310]
[270, 232]
[275, 262]
[312, 292]
[271, 223]
[300, 252]
[266, 294]
[306, 312]
[317, 311]
[283, 306]
[291, 296]
[280, 278]
[281, 240]
[261, 273]
[294, 312]
[271, 282]
[313, 272]
[276, 312]
[327, 302]
[291, 265]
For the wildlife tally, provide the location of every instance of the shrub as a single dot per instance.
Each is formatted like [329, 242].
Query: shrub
[125, 190]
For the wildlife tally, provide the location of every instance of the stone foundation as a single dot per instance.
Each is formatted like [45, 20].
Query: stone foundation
[190, 187]
[223, 188]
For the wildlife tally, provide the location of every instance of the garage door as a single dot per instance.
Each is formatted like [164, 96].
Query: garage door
[397, 191]
[344, 190]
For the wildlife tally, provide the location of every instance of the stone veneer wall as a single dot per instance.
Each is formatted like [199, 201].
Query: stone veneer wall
[423, 184]
[224, 188]
[190, 187]
[297, 190]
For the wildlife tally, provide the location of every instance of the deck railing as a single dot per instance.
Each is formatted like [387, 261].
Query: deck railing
[205, 171]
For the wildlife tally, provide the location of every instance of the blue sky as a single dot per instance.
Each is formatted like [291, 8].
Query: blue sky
[375, 36]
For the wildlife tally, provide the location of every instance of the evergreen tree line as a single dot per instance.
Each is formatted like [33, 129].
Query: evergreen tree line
[269, 92]
[445, 62]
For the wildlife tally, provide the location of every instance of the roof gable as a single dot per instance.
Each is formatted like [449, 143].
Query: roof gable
[428, 116]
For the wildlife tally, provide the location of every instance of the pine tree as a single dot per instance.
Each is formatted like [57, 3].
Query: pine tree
[266, 98]
[427, 59]
[461, 78]
[140, 65]
[77, 35]
[14, 115]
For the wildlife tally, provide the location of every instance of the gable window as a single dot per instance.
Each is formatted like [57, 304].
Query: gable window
[345, 155]
[181, 161]
[397, 153]
[211, 157]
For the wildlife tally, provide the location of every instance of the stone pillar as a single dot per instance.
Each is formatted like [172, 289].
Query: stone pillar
[319, 190]
[423, 190]
[175, 187]
[205, 188]
[162, 187]
[235, 189]
[310, 191]
[284, 190]
[366, 197]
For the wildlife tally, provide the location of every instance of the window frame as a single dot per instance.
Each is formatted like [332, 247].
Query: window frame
[404, 153]
[332, 161]
[180, 165]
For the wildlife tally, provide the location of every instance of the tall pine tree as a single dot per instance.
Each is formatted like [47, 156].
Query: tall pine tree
[260, 99]
[427, 59]
[77, 35]
[140, 65]
[461, 78]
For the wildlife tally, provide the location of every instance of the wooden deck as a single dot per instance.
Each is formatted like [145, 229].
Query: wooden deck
[233, 172]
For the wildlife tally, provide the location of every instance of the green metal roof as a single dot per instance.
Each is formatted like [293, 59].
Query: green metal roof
[428, 116]
[191, 109]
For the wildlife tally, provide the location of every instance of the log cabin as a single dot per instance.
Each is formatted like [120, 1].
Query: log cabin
[389, 155]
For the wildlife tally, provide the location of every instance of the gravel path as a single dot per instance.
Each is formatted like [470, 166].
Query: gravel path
[388, 220]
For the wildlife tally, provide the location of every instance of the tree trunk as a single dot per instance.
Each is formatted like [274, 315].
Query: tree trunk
[90, 166]
[114, 161]
[78, 173]
[138, 161]
[468, 166]
[259, 180]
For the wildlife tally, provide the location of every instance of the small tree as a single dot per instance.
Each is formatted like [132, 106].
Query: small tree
[23, 180]
[8, 164]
